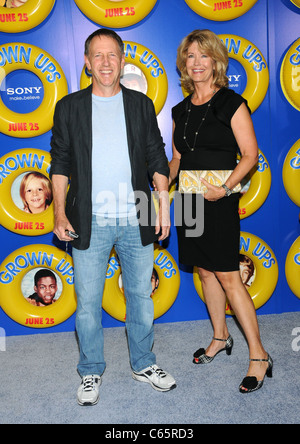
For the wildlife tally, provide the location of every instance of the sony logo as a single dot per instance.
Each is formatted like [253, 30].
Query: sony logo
[233, 78]
[23, 91]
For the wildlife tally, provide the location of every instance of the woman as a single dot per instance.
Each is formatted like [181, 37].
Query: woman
[209, 127]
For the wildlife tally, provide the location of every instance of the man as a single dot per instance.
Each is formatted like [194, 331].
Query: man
[106, 139]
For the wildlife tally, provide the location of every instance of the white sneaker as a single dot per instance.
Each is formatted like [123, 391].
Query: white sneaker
[88, 392]
[156, 377]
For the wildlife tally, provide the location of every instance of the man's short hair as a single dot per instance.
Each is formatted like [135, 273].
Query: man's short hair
[103, 33]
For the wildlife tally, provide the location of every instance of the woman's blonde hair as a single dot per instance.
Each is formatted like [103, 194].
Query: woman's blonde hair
[210, 44]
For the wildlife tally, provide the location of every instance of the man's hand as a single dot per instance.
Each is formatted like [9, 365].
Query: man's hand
[163, 223]
[62, 224]
[61, 227]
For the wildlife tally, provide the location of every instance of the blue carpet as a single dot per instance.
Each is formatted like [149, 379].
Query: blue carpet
[39, 379]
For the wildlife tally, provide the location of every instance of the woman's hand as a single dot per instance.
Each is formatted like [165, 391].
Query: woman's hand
[213, 193]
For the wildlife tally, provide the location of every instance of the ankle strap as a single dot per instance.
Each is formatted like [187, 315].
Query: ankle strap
[222, 340]
[259, 360]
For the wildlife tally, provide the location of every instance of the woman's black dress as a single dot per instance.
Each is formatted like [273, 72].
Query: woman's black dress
[217, 249]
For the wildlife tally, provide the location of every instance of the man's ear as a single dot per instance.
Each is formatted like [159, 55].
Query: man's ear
[87, 62]
[123, 61]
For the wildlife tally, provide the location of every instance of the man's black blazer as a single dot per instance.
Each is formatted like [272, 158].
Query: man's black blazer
[71, 152]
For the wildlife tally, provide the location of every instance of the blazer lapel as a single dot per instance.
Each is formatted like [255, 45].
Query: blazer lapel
[86, 110]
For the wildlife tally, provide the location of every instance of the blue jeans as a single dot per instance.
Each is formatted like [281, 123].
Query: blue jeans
[90, 272]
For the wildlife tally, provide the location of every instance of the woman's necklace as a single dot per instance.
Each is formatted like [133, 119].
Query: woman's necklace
[201, 123]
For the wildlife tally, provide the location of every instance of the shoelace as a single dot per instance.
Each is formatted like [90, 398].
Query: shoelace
[88, 384]
[159, 372]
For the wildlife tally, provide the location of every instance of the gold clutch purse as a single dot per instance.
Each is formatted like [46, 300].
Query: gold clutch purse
[189, 180]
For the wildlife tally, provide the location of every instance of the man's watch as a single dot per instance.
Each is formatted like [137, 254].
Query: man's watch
[228, 190]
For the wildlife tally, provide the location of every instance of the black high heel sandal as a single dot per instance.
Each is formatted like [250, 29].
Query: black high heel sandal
[201, 358]
[250, 383]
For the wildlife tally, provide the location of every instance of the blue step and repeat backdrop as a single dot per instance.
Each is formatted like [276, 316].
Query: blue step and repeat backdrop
[41, 60]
